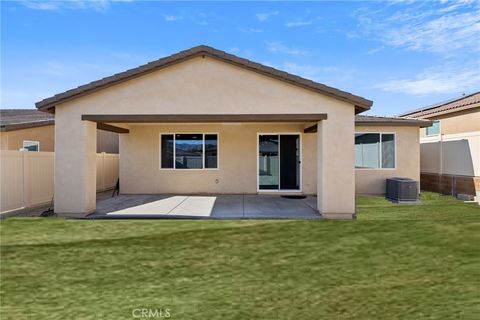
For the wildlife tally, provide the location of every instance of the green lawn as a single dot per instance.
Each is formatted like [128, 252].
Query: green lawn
[394, 262]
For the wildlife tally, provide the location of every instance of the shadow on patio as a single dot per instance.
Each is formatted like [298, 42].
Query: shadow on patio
[205, 207]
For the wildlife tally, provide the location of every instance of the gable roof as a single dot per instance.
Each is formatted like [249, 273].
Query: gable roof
[361, 120]
[15, 119]
[454, 105]
[361, 104]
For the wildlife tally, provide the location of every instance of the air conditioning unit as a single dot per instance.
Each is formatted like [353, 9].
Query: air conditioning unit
[402, 190]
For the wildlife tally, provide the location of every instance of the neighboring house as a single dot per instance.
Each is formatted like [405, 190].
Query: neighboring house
[204, 121]
[34, 130]
[450, 148]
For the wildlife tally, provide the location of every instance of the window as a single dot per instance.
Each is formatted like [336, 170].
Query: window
[375, 150]
[189, 151]
[211, 147]
[434, 129]
[167, 150]
[31, 145]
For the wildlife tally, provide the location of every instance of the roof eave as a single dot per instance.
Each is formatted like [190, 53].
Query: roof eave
[407, 123]
[26, 125]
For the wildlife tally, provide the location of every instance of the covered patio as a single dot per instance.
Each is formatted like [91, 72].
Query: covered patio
[206, 122]
[207, 206]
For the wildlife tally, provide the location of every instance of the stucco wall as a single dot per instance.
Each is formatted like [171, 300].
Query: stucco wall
[237, 163]
[13, 140]
[458, 122]
[372, 181]
[199, 86]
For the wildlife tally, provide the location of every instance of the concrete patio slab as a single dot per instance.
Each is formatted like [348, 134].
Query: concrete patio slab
[106, 204]
[206, 206]
[200, 206]
[228, 207]
[163, 206]
[311, 202]
[271, 206]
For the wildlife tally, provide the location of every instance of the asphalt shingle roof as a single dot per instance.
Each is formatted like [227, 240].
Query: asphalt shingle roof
[14, 119]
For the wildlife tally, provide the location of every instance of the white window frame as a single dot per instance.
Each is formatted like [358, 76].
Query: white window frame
[439, 129]
[279, 164]
[380, 153]
[31, 142]
[203, 151]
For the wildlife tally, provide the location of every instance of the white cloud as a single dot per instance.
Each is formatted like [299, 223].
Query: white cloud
[47, 6]
[61, 69]
[199, 18]
[326, 74]
[439, 35]
[265, 16]
[97, 5]
[374, 50]
[23, 97]
[250, 30]
[330, 75]
[445, 79]
[246, 53]
[445, 28]
[121, 55]
[450, 30]
[278, 47]
[171, 18]
[298, 23]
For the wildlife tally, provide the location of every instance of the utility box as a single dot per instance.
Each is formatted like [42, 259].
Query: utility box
[402, 190]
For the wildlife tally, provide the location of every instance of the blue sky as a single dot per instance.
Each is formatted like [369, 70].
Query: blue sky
[400, 54]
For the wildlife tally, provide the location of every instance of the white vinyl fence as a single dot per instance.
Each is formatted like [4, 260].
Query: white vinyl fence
[27, 177]
[453, 154]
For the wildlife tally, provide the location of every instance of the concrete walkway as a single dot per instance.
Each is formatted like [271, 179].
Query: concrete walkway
[206, 207]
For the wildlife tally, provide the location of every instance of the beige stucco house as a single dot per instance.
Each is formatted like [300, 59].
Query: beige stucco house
[204, 121]
[450, 147]
[32, 130]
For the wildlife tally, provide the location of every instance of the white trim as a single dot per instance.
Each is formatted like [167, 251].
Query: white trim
[174, 151]
[380, 153]
[32, 142]
[300, 187]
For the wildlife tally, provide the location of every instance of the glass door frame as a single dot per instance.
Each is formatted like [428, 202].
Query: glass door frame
[299, 134]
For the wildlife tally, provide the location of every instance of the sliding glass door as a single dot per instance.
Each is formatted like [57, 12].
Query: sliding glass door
[278, 162]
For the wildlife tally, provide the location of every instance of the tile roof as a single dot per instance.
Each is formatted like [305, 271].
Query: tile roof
[14, 119]
[458, 104]
[361, 104]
